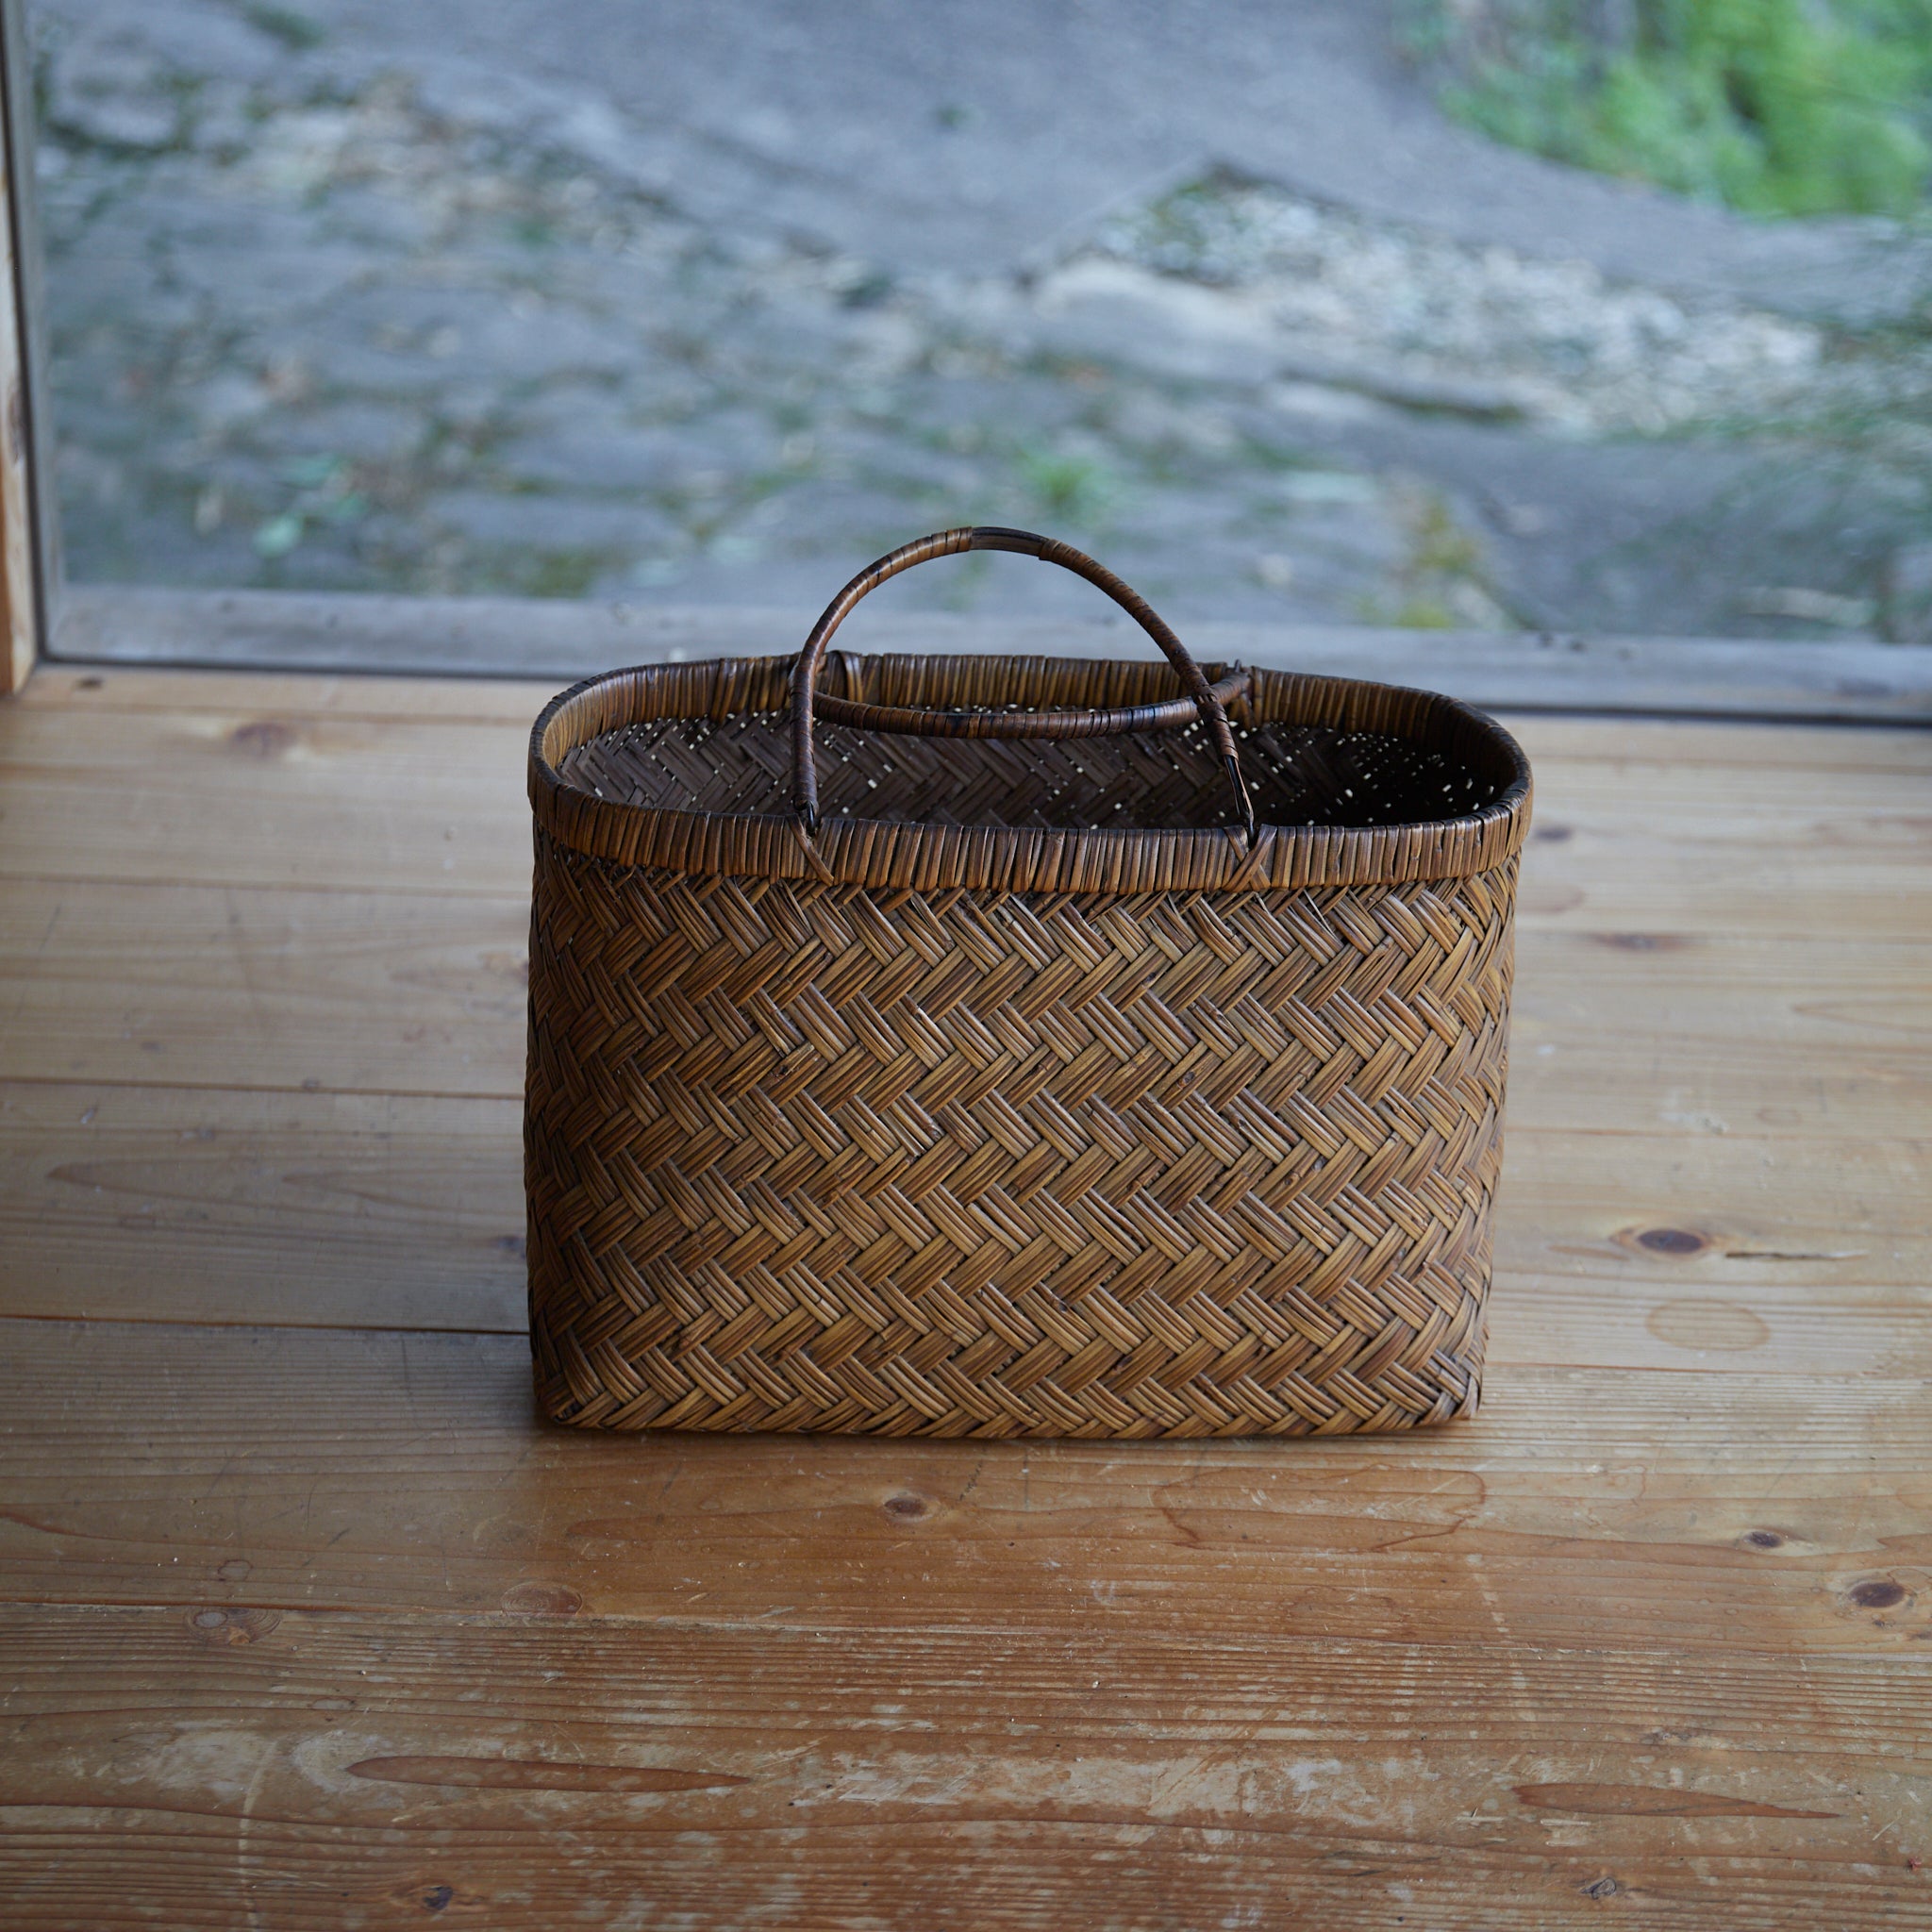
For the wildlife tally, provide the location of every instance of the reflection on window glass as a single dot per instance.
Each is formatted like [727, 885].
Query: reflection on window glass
[706, 306]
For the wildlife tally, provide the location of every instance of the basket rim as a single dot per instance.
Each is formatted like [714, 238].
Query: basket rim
[924, 855]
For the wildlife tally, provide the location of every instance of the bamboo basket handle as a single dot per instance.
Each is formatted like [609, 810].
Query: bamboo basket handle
[1204, 700]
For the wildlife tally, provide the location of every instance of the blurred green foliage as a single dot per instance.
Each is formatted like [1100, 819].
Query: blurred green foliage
[1776, 107]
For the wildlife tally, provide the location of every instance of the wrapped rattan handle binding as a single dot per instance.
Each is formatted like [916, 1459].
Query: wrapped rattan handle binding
[1203, 700]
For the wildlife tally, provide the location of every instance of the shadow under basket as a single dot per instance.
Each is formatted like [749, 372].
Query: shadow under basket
[1019, 1089]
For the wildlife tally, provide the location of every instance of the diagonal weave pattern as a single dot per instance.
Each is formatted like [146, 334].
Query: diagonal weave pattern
[1301, 775]
[806, 1154]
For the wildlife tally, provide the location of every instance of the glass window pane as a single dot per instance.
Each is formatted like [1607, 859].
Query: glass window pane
[703, 305]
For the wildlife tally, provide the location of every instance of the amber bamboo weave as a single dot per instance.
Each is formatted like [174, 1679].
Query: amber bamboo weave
[1016, 1090]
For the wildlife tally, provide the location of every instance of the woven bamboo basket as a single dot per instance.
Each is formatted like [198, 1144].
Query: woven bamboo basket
[1014, 1046]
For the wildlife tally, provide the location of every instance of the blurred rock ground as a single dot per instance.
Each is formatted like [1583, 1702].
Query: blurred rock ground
[710, 305]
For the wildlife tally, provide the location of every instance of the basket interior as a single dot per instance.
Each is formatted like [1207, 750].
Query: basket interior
[1299, 775]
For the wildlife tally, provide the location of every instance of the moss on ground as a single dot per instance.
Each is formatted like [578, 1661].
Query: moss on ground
[1772, 107]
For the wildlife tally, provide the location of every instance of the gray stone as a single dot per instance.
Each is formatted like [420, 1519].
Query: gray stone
[1158, 421]
[360, 431]
[474, 94]
[549, 524]
[643, 397]
[970, 411]
[804, 339]
[375, 221]
[598, 457]
[200, 38]
[225, 400]
[1907, 602]
[882, 459]
[751, 578]
[829, 520]
[408, 305]
[363, 367]
[262, 288]
[111, 90]
[530, 342]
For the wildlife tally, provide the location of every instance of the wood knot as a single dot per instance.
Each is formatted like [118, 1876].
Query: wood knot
[1876, 1594]
[1643, 941]
[1764, 1540]
[218, 1625]
[435, 1897]
[1673, 1241]
[906, 1509]
[263, 738]
[1600, 1888]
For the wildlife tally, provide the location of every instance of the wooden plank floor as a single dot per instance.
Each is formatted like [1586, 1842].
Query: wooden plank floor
[309, 1624]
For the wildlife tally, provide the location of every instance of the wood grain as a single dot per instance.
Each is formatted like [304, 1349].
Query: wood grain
[309, 1767]
[161, 1204]
[403, 1211]
[250, 987]
[345, 803]
[85, 689]
[290, 1468]
[420, 805]
[310, 1623]
[244, 987]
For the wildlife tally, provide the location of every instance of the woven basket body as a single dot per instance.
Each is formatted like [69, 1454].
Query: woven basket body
[1026, 1096]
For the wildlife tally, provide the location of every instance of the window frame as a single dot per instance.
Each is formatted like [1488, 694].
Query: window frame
[29, 557]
